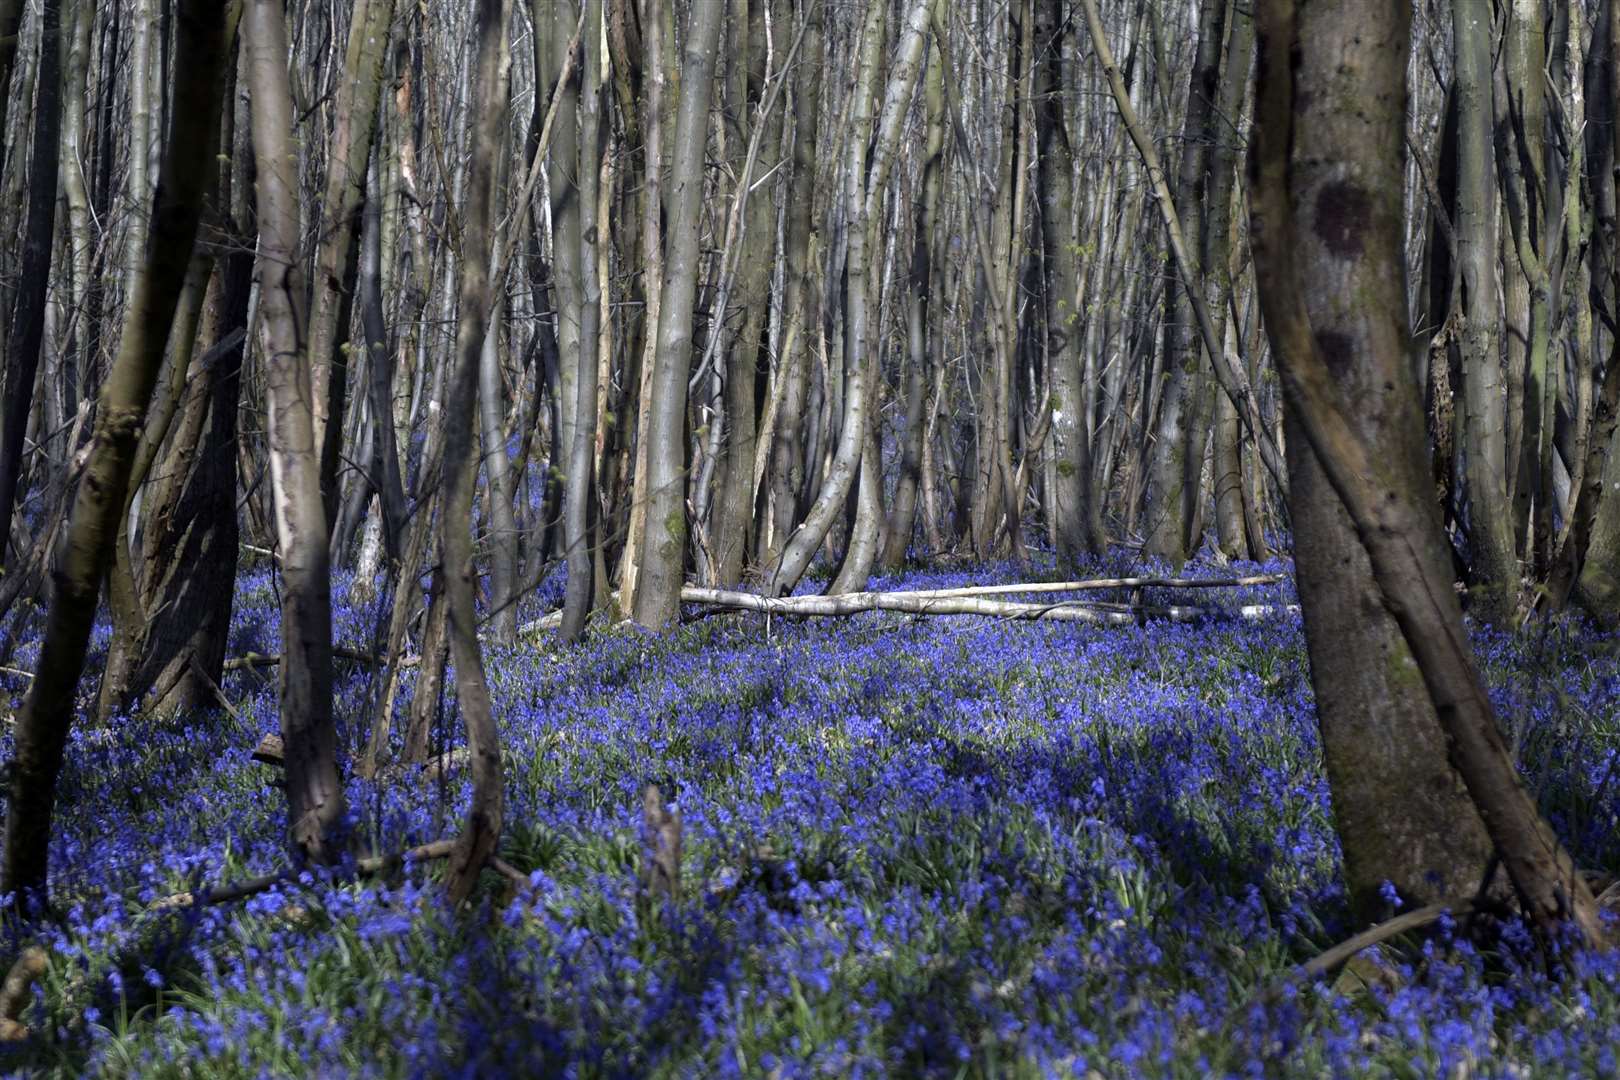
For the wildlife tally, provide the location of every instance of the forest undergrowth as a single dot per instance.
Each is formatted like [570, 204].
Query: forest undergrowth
[953, 847]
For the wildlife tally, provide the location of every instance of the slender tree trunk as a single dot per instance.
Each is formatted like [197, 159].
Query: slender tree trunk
[315, 803]
[790, 446]
[1071, 440]
[579, 500]
[188, 167]
[477, 841]
[27, 331]
[1490, 526]
[358, 91]
[652, 248]
[746, 351]
[663, 549]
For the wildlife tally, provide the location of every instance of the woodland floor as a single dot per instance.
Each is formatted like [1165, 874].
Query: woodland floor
[947, 846]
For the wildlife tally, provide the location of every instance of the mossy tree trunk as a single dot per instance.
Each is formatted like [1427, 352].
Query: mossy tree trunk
[1421, 803]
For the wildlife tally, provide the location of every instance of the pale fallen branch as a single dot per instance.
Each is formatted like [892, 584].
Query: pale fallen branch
[969, 600]
[911, 603]
[1099, 583]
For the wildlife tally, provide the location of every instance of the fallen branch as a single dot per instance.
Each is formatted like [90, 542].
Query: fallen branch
[1332, 959]
[270, 751]
[254, 660]
[549, 621]
[1099, 583]
[924, 604]
[1416, 919]
[968, 600]
[371, 865]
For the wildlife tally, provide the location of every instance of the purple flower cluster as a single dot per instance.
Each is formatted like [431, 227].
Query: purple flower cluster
[936, 847]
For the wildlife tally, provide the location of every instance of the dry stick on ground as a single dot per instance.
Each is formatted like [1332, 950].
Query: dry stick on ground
[1099, 583]
[369, 866]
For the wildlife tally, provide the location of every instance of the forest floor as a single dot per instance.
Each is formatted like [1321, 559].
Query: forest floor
[948, 846]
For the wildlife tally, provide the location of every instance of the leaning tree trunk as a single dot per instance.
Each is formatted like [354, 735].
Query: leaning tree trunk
[477, 841]
[663, 549]
[1401, 812]
[188, 168]
[1326, 197]
[315, 803]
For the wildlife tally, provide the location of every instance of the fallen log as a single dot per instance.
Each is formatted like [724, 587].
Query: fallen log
[914, 604]
[1092, 584]
[970, 600]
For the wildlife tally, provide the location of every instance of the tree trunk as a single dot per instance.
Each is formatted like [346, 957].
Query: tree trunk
[359, 89]
[315, 802]
[1071, 439]
[663, 548]
[27, 332]
[1326, 191]
[790, 446]
[188, 167]
[1490, 525]
[580, 498]
[460, 476]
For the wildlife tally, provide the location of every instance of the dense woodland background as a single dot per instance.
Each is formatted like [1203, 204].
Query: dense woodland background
[690, 297]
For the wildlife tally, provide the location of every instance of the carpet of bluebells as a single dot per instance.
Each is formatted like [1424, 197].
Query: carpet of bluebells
[956, 847]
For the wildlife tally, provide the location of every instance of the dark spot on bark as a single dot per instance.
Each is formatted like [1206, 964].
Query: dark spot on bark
[1343, 211]
[1338, 350]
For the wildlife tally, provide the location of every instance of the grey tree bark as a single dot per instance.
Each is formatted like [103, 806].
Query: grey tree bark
[863, 183]
[1490, 529]
[315, 801]
[581, 493]
[663, 549]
